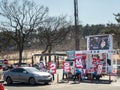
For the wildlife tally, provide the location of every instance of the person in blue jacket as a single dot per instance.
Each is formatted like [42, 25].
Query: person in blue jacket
[77, 74]
[64, 75]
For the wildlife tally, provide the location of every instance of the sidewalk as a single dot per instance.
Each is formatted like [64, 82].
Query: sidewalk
[117, 83]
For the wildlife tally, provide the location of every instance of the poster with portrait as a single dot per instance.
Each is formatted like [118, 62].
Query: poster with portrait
[99, 42]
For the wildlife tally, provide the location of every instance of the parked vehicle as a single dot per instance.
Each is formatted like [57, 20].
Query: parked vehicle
[22, 65]
[29, 75]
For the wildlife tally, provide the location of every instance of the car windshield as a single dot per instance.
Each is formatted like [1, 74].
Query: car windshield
[31, 69]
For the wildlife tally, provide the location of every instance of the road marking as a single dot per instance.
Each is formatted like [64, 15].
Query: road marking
[6, 89]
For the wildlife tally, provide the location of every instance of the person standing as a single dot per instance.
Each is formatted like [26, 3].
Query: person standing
[77, 74]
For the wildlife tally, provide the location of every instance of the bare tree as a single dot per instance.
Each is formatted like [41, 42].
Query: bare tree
[54, 32]
[21, 17]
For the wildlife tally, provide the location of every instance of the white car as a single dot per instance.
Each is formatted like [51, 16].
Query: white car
[29, 75]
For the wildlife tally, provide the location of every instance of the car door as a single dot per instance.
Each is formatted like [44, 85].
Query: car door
[23, 75]
[15, 74]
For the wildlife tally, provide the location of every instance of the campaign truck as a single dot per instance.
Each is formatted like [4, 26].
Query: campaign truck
[96, 61]
[77, 60]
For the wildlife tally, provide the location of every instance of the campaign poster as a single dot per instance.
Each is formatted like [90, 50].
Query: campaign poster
[52, 67]
[80, 59]
[99, 69]
[66, 67]
[99, 42]
[78, 62]
[70, 54]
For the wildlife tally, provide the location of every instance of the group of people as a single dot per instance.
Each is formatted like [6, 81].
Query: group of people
[79, 73]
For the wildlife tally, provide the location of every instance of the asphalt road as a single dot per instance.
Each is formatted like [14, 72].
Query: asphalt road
[86, 85]
[103, 84]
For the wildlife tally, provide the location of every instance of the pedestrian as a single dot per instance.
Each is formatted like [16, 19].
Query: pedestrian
[77, 74]
[53, 76]
[64, 75]
[52, 73]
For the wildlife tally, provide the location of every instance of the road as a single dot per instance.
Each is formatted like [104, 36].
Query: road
[103, 84]
[67, 86]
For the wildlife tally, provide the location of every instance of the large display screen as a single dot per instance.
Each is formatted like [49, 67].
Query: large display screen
[102, 42]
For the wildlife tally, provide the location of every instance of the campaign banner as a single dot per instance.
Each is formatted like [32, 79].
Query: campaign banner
[66, 67]
[100, 42]
[80, 55]
[95, 61]
[90, 70]
[70, 54]
[78, 62]
[5, 61]
[52, 67]
[99, 69]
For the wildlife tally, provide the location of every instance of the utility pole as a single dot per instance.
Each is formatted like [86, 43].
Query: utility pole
[77, 40]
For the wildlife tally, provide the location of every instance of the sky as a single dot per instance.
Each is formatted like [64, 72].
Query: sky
[90, 11]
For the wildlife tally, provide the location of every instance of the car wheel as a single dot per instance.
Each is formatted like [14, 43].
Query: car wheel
[32, 81]
[9, 80]
[46, 83]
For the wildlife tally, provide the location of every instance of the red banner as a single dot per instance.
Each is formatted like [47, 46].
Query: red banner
[83, 56]
[90, 70]
[66, 67]
[5, 61]
[78, 63]
[52, 67]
